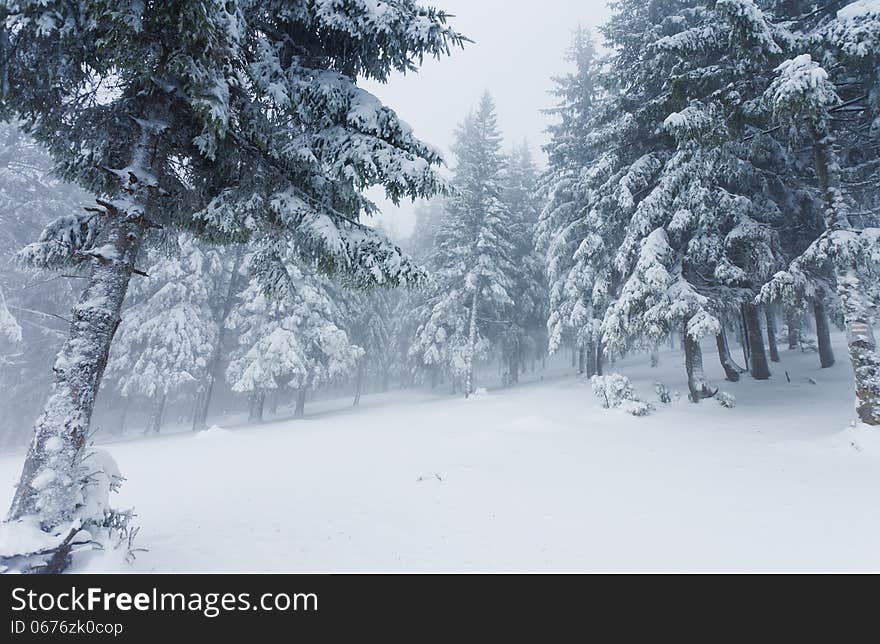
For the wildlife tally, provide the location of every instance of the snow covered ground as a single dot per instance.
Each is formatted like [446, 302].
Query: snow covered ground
[535, 478]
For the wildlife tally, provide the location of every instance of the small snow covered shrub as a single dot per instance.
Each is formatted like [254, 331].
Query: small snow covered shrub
[616, 391]
[480, 392]
[610, 390]
[637, 407]
[725, 399]
[25, 547]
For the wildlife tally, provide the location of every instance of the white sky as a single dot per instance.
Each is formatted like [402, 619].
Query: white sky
[518, 47]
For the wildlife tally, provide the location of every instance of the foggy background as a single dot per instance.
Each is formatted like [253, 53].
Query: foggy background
[516, 52]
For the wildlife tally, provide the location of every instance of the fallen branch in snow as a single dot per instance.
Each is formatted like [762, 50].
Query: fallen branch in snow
[60, 559]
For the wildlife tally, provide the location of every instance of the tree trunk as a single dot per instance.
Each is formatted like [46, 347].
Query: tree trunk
[600, 357]
[760, 370]
[77, 375]
[860, 340]
[794, 322]
[200, 419]
[157, 411]
[770, 315]
[120, 424]
[582, 360]
[258, 402]
[731, 369]
[514, 366]
[472, 346]
[300, 410]
[273, 405]
[742, 336]
[358, 384]
[862, 349]
[590, 351]
[693, 362]
[823, 335]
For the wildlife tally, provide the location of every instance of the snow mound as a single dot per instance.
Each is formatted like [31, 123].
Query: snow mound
[480, 392]
[859, 437]
[17, 537]
[212, 433]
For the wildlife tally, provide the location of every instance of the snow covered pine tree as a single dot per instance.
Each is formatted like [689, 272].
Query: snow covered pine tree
[290, 335]
[246, 125]
[167, 333]
[473, 261]
[802, 97]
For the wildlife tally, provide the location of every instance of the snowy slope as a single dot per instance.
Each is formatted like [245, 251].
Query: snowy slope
[534, 478]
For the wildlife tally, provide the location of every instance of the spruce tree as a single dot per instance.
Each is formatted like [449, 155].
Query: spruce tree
[523, 328]
[290, 334]
[597, 165]
[168, 332]
[473, 260]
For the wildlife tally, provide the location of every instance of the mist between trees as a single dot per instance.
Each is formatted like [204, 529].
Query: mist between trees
[192, 216]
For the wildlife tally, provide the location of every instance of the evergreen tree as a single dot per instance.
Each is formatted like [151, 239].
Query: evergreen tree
[227, 284]
[290, 334]
[716, 198]
[473, 260]
[168, 332]
[524, 327]
[370, 325]
[583, 209]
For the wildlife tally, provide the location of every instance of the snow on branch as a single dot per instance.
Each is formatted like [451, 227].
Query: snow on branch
[61, 241]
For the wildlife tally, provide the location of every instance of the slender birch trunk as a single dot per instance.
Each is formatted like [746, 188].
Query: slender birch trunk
[358, 384]
[472, 346]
